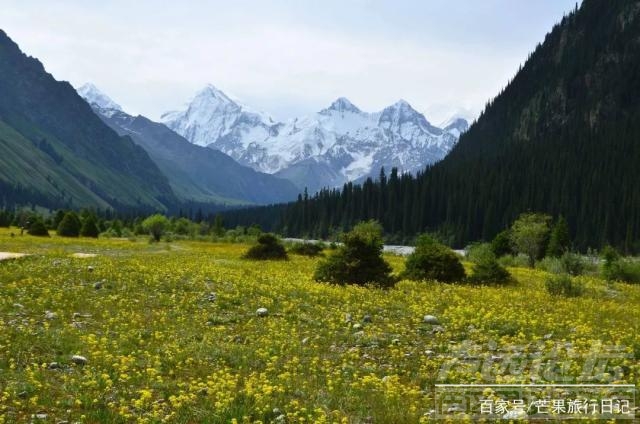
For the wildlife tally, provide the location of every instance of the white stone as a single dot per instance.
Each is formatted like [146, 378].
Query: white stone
[79, 360]
[430, 319]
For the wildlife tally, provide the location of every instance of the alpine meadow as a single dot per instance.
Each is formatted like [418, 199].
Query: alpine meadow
[451, 256]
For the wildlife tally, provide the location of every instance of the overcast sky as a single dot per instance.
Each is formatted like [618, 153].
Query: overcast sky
[287, 58]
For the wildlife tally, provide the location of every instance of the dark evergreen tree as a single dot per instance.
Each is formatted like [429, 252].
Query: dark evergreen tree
[89, 227]
[560, 240]
[70, 225]
[501, 244]
[218, 226]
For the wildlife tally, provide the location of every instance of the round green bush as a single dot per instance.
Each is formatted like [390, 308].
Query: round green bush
[37, 228]
[433, 261]
[359, 260]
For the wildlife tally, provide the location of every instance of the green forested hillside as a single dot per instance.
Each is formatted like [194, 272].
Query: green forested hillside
[197, 173]
[563, 138]
[54, 151]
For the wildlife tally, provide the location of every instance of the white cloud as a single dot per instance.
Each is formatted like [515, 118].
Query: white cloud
[151, 59]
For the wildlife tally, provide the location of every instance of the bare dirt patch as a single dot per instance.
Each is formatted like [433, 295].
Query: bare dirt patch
[84, 255]
[11, 255]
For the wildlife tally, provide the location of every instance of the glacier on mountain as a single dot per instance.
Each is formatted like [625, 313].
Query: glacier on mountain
[338, 144]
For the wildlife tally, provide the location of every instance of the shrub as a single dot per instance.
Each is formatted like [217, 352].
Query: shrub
[614, 268]
[568, 263]
[183, 227]
[572, 263]
[486, 269]
[37, 228]
[70, 225]
[563, 285]
[89, 227]
[359, 260]
[155, 226]
[514, 261]
[630, 271]
[307, 249]
[268, 247]
[551, 265]
[433, 261]
[490, 272]
[57, 218]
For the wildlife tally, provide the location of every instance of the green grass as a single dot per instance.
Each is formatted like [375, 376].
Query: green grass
[160, 350]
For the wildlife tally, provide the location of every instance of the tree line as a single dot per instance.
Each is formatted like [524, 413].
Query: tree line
[563, 138]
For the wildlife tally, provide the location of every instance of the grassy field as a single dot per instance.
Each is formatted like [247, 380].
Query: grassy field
[170, 333]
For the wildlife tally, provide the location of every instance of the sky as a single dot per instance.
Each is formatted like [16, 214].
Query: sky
[286, 57]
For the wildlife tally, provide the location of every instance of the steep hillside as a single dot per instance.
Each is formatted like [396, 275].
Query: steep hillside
[195, 173]
[54, 151]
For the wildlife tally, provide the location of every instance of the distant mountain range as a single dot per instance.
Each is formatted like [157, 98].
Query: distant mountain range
[58, 150]
[338, 144]
[195, 173]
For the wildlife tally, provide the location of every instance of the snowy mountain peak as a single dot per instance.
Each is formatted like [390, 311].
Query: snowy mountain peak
[402, 112]
[456, 126]
[97, 98]
[212, 94]
[402, 103]
[338, 144]
[404, 107]
[212, 115]
[458, 123]
[342, 104]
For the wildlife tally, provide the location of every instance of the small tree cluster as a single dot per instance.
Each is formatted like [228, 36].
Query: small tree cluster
[615, 268]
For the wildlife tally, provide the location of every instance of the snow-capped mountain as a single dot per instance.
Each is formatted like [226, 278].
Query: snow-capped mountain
[195, 173]
[98, 99]
[456, 125]
[338, 144]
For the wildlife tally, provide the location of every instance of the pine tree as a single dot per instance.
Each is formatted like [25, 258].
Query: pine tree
[89, 227]
[70, 225]
[560, 240]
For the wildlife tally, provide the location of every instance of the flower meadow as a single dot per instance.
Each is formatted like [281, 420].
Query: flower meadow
[168, 332]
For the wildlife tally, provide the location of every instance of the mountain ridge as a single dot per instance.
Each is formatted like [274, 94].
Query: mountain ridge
[54, 150]
[339, 143]
[195, 173]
